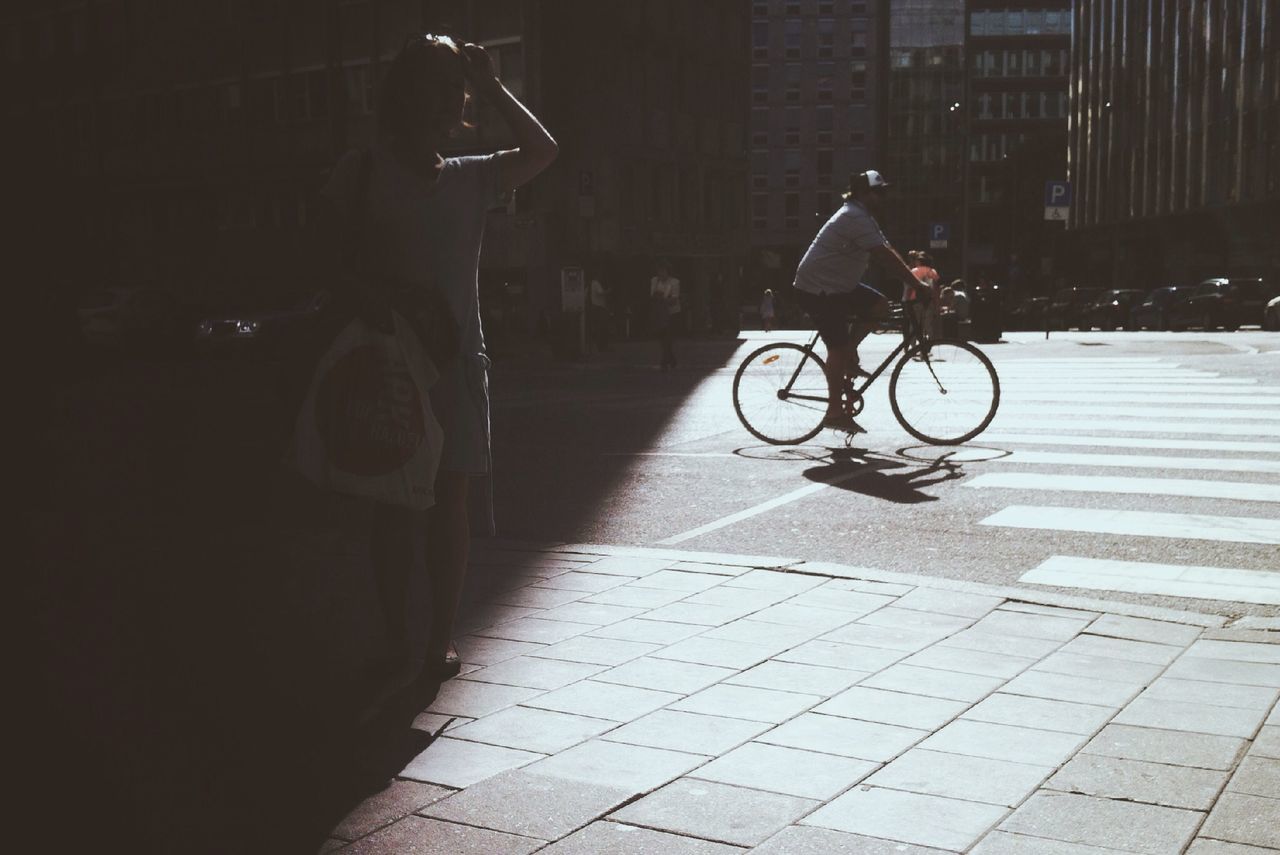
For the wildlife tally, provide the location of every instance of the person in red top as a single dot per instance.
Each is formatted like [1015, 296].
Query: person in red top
[925, 306]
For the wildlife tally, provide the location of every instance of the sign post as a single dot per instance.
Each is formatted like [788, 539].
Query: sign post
[939, 235]
[1057, 200]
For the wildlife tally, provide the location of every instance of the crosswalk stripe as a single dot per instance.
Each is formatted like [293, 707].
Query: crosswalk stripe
[1041, 394]
[1142, 461]
[997, 438]
[1018, 420]
[1139, 523]
[1210, 583]
[1242, 491]
[1014, 404]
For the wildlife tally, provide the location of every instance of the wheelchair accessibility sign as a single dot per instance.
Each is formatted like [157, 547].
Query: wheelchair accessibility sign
[1057, 200]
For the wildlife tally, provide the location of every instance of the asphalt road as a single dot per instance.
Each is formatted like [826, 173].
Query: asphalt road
[613, 451]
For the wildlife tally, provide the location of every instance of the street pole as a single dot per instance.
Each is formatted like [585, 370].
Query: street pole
[966, 107]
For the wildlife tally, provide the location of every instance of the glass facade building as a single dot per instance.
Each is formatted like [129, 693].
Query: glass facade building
[1175, 139]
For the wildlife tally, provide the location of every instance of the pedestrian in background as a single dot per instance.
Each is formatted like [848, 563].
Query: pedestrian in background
[600, 317]
[664, 304]
[766, 310]
[426, 215]
[924, 305]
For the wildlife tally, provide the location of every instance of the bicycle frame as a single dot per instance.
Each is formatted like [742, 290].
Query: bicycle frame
[911, 336]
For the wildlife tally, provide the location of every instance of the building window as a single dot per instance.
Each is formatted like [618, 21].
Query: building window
[858, 44]
[857, 138]
[1012, 63]
[793, 36]
[760, 10]
[826, 38]
[858, 10]
[824, 161]
[793, 7]
[759, 210]
[984, 106]
[760, 40]
[795, 74]
[791, 210]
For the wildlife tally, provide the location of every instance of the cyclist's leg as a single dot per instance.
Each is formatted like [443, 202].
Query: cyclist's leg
[869, 307]
[828, 314]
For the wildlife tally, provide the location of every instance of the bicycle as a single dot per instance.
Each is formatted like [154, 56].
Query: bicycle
[942, 391]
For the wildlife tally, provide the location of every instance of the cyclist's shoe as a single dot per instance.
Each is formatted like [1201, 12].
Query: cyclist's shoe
[844, 423]
[857, 370]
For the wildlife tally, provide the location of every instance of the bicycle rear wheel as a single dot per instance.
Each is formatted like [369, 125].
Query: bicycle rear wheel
[944, 392]
[780, 394]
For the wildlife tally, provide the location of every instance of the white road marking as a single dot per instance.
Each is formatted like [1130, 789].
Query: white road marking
[1130, 442]
[670, 454]
[1017, 405]
[1142, 461]
[1241, 491]
[1128, 425]
[784, 499]
[1139, 523]
[1209, 583]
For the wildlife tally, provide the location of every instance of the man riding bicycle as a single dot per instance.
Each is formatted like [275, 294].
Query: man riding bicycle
[829, 287]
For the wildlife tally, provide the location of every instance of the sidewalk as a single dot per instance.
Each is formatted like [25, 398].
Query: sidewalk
[636, 700]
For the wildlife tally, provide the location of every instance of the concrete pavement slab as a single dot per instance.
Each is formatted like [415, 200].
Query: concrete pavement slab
[795, 677]
[934, 683]
[716, 811]
[891, 638]
[1140, 629]
[627, 565]
[1214, 694]
[1004, 742]
[790, 771]
[834, 654]
[1197, 718]
[597, 614]
[1042, 713]
[932, 622]
[1267, 743]
[717, 651]
[415, 835]
[1001, 643]
[1105, 823]
[479, 650]
[458, 763]
[1235, 651]
[752, 631]
[528, 804]
[866, 586]
[668, 675]
[1006, 843]
[1226, 671]
[398, 800]
[703, 615]
[809, 617]
[1198, 750]
[538, 597]
[1119, 648]
[946, 602]
[1139, 781]
[475, 699]
[769, 580]
[908, 817]
[603, 700]
[491, 616]
[677, 580]
[1099, 667]
[1204, 846]
[1001, 665]
[593, 650]
[646, 631]
[854, 603]
[863, 740]
[607, 837]
[534, 673]
[1040, 609]
[535, 629]
[530, 729]
[1031, 625]
[811, 840]
[1257, 776]
[886, 707]
[636, 768]
[578, 580]
[749, 702]
[641, 598]
[688, 732]
[1065, 687]
[728, 595]
[727, 570]
[960, 776]
[1241, 818]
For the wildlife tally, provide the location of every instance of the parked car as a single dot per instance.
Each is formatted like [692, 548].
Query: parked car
[1220, 302]
[1069, 305]
[1111, 310]
[1028, 314]
[129, 317]
[256, 326]
[1271, 315]
[1153, 312]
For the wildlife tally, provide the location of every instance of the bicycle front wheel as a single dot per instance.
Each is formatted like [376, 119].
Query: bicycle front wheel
[944, 392]
[780, 394]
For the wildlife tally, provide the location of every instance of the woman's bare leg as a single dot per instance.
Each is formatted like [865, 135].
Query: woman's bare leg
[448, 550]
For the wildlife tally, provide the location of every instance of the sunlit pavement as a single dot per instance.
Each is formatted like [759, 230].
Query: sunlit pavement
[625, 700]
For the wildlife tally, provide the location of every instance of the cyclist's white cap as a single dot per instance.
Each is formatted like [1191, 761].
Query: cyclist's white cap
[869, 180]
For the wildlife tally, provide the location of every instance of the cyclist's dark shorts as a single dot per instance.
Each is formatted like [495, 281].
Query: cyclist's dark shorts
[830, 312]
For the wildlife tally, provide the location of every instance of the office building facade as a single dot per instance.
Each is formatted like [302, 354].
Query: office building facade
[816, 83]
[1174, 153]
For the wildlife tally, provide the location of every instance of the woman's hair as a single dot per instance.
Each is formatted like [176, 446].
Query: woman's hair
[769, 291]
[424, 88]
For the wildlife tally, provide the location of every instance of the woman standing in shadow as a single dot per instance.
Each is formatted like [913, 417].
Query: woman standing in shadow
[423, 225]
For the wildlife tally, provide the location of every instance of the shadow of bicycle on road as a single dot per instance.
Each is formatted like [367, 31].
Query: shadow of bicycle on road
[902, 477]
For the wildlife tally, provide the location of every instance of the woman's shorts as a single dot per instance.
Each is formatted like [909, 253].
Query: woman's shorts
[830, 312]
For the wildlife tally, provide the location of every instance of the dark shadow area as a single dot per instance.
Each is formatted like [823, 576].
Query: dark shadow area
[200, 621]
[900, 487]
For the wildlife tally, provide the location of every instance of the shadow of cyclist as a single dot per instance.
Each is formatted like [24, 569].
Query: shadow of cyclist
[901, 487]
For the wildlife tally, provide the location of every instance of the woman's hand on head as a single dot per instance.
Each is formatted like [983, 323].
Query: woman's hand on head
[479, 69]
